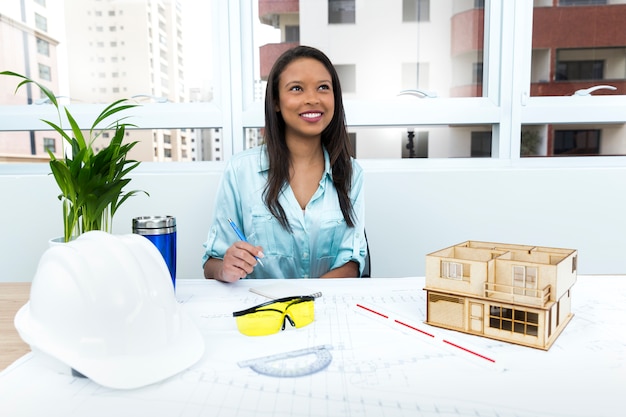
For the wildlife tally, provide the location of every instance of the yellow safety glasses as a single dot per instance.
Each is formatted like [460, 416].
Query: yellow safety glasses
[269, 318]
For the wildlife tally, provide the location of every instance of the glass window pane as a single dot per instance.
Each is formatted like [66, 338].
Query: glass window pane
[41, 22]
[435, 52]
[422, 142]
[573, 140]
[439, 49]
[154, 145]
[43, 47]
[507, 325]
[494, 323]
[167, 52]
[120, 49]
[107, 51]
[565, 60]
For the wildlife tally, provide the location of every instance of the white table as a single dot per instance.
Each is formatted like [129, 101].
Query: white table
[378, 368]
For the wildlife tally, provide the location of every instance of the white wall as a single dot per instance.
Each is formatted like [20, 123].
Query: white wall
[32, 214]
[411, 211]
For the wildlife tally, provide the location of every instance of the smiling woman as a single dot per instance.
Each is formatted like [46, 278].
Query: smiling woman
[302, 201]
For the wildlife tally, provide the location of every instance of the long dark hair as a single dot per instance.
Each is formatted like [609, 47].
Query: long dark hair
[334, 138]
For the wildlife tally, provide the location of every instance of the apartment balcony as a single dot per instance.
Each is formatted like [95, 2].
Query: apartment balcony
[270, 10]
[276, 13]
[553, 27]
[577, 27]
[269, 53]
[468, 32]
[567, 88]
[516, 295]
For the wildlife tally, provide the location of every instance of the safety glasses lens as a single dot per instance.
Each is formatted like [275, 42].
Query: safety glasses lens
[260, 323]
[301, 313]
[268, 318]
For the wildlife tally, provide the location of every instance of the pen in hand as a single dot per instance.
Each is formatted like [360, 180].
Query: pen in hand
[242, 237]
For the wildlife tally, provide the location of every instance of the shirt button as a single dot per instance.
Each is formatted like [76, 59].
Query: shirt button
[305, 255]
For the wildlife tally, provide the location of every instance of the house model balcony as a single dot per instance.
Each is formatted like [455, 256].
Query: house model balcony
[514, 293]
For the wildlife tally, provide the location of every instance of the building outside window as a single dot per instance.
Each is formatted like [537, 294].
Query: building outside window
[579, 70]
[481, 145]
[43, 47]
[341, 11]
[590, 64]
[292, 33]
[41, 22]
[415, 10]
[577, 142]
[49, 144]
[45, 72]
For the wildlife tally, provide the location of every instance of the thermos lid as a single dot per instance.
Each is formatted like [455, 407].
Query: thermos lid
[154, 222]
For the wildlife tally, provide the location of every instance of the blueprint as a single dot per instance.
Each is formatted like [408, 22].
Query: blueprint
[368, 353]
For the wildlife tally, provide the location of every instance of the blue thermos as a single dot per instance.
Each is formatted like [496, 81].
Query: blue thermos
[160, 230]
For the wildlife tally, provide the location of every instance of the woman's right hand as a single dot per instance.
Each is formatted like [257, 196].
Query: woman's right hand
[239, 261]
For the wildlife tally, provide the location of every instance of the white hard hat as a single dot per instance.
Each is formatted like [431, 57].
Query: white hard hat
[105, 305]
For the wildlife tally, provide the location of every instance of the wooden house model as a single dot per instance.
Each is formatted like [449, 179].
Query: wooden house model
[514, 293]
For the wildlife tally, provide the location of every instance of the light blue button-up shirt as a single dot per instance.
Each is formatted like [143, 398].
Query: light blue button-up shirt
[320, 239]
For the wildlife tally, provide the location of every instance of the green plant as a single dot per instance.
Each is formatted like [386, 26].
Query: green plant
[91, 183]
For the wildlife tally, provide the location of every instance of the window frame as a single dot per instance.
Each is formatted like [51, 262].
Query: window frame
[506, 104]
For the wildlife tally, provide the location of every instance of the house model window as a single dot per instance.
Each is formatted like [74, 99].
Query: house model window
[514, 293]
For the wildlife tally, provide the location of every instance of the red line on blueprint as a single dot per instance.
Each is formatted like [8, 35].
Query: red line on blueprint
[414, 328]
[469, 351]
[372, 311]
[426, 333]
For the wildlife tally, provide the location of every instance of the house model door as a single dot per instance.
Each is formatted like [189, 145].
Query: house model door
[476, 317]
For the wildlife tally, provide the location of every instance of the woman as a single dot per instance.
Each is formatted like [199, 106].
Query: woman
[297, 199]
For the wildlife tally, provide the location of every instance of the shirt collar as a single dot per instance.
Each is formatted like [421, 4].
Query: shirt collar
[264, 163]
[327, 163]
